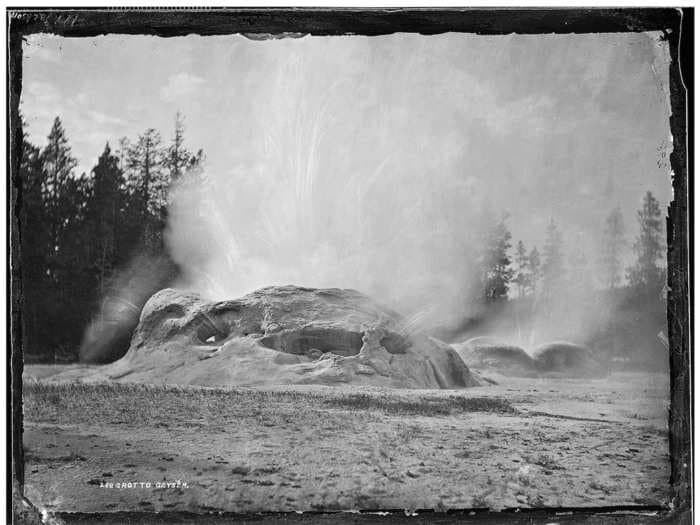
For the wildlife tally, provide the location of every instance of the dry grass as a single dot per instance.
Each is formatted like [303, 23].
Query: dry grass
[424, 406]
[129, 403]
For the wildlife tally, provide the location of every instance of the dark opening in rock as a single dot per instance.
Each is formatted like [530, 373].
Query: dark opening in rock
[309, 341]
[208, 332]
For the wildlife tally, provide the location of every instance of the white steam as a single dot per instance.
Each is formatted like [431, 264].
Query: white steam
[340, 188]
[371, 163]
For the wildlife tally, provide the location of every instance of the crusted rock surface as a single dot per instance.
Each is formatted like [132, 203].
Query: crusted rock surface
[284, 335]
[490, 354]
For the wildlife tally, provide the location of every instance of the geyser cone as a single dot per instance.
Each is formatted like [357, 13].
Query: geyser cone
[284, 335]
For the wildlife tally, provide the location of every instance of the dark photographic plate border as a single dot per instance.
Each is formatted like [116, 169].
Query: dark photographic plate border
[678, 29]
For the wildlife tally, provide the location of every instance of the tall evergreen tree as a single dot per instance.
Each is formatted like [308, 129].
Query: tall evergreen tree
[131, 210]
[104, 211]
[150, 185]
[496, 261]
[553, 264]
[613, 244]
[178, 159]
[534, 265]
[74, 279]
[580, 279]
[35, 246]
[522, 269]
[122, 153]
[535, 269]
[74, 256]
[648, 246]
[58, 164]
[33, 219]
[145, 159]
[62, 253]
[183, 166]
[58, 161]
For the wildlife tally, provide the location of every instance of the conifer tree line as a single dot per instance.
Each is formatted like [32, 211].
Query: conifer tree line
[78, 229]
[603, 296]
[509, 271]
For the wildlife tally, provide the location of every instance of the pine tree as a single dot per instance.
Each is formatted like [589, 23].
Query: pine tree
[33, 220]
[144, 160]
[580, 280]
[104, 211]
[522, 271]
[131, 210]
[67, 287]
[613, 244]
[75, 277]
[553, 265]
[34, 244]
[150, 185]
[57, 160]
[535, 269]
[496, 262]
[178, 156]
[179, 159]
[58, 165]
[649, 246]
[181, 162]
[122, 154]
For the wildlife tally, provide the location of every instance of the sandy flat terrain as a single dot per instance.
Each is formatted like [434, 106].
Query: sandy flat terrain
[521, 443]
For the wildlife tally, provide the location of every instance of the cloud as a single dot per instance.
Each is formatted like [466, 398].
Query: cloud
[103, 119]
[180, 85]
[39, 105]
[38, 92]
[87, 129]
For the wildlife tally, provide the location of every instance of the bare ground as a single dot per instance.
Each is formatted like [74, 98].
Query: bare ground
[521, 443]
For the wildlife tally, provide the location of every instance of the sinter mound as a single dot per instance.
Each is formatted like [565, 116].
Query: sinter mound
[564, 358]
[487, 353]
[283, 335]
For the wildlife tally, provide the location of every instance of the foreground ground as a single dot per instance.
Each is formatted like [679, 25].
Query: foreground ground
[521, 443]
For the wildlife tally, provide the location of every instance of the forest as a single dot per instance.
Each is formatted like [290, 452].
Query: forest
[565, 293]
[80, 234]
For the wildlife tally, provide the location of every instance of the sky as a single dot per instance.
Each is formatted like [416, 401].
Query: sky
[344, 146]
